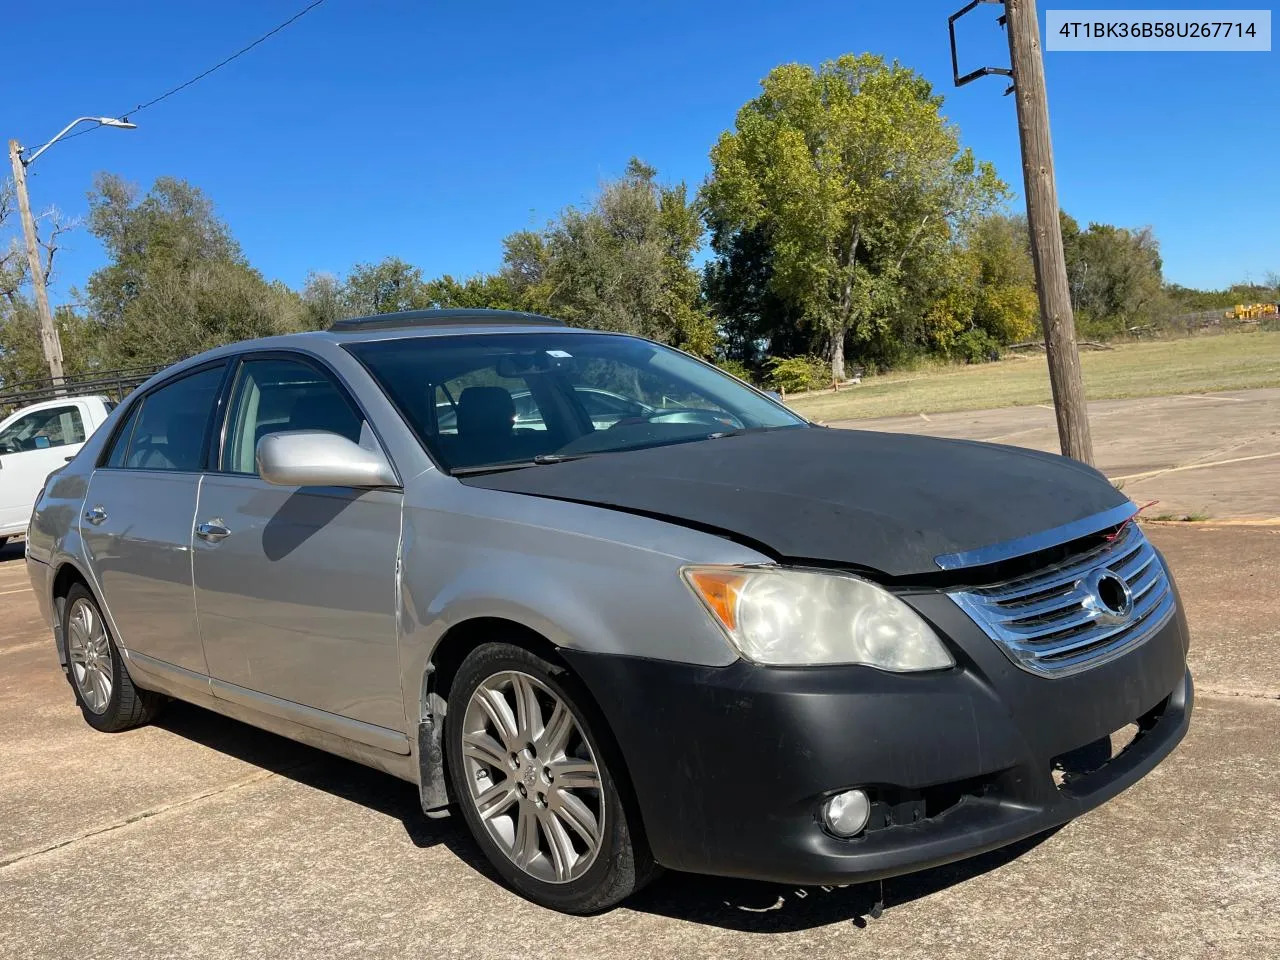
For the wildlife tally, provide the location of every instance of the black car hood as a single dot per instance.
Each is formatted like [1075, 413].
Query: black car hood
[882, 501]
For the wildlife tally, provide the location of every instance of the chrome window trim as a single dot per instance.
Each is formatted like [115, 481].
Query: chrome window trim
[1007, 550]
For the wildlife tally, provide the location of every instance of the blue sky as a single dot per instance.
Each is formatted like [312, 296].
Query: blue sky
[431, 130]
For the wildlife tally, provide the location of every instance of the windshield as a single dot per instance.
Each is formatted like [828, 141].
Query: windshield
[493, 399]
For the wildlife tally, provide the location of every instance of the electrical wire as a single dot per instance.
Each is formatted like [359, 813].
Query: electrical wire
[217, 66]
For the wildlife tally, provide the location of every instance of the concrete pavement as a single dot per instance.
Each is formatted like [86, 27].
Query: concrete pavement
[1216, 453]
[202, 837]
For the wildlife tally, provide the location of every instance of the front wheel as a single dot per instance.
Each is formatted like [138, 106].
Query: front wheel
[534, 783]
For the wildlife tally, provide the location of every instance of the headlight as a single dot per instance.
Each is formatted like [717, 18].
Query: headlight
[799, 617]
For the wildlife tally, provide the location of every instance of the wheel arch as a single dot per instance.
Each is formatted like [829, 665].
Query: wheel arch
[66, 574]
[437, 680]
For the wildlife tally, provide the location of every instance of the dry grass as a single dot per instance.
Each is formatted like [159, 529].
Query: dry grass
[1234, 361]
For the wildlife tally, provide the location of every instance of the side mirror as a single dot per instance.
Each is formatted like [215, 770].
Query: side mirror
[317, 458]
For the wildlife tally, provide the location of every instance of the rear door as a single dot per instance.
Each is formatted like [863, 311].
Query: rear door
[138, 514]
[296, 586]
[32, 446]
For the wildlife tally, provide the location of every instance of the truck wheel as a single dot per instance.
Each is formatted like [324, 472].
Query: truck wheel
[105, 693]
[532, 777]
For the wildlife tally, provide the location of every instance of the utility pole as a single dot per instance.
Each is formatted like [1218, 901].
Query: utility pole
[1026, 68]
[1041, 190]
[49, 341]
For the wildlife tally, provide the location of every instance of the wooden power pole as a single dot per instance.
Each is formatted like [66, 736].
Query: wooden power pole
[48, 332]
[1026, 59]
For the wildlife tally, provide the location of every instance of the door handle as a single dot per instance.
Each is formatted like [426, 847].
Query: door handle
[213, 530]
[95, 515]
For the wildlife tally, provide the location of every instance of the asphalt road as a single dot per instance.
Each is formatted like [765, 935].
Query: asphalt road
[202, 837]
[1211, 454]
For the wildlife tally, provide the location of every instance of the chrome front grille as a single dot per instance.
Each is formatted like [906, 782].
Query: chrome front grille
[1075, 615]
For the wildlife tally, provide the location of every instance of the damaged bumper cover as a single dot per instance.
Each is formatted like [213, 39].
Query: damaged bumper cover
[730, 765]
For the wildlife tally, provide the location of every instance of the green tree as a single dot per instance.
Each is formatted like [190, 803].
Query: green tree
[625, 263]
[483, 291]
[21, 356]
[1114, 275]
[323, 300]
[388, 286]
[859, 181]
[176, 282]
[1005, 303]
[753, 321]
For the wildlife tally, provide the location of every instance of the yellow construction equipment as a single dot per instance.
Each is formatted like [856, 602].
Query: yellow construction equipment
[1254, 311]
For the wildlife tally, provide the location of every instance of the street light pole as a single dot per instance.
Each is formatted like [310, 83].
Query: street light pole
[49, 341]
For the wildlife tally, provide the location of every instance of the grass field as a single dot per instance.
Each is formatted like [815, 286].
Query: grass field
[1232, 361]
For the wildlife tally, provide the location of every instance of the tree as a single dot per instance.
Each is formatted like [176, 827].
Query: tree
[323, 300]
[625, 263]
[481, 292]
[388, 286]
[1114, 274]
[859, 182]
[176, 282]
[21, 353]
[1005, 304]
[753, 321]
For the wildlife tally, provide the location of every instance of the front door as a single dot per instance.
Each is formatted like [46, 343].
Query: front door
[136, 524]
[296, 586]
[32, 446]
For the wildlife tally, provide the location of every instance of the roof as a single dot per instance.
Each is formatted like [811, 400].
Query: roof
[444, 318]
[409, 324]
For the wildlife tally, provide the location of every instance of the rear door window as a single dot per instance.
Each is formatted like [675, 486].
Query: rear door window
[169, 425]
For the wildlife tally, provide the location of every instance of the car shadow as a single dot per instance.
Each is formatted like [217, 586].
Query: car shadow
[748, 906]
[753, 906]
[14, 550]
[313, 768]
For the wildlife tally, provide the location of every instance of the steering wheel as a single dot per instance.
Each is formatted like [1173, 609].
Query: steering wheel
[706, 418]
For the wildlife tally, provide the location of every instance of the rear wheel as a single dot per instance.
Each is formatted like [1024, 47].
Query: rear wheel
[534, 782]
[106, 695]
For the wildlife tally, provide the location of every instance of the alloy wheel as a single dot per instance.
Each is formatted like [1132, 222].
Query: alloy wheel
[533, 777]
[89, 653]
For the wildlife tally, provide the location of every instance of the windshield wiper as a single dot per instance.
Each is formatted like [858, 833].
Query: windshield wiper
[558, 457]
[540, 460]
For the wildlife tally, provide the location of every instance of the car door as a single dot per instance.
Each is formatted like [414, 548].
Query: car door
[296, 586]
[32, 446]
[138, 512]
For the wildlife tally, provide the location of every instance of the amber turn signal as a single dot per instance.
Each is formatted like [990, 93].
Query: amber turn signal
[719, 590]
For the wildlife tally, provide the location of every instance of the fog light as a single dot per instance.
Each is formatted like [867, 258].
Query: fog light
[846, 813]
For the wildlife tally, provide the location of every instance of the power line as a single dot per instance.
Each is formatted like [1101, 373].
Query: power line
[217, 66]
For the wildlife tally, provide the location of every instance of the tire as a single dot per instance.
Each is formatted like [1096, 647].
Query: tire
[92, 656]
[546, 798]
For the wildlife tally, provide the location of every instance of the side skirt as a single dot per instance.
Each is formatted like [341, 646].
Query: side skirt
[377, 747]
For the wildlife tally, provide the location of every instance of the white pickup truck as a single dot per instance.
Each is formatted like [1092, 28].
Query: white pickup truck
[34, 442]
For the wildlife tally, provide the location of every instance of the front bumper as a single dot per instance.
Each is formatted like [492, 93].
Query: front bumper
[730, 765]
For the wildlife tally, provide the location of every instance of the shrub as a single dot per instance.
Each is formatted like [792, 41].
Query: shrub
[976, 346]
[791, 374]
[737, 368]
